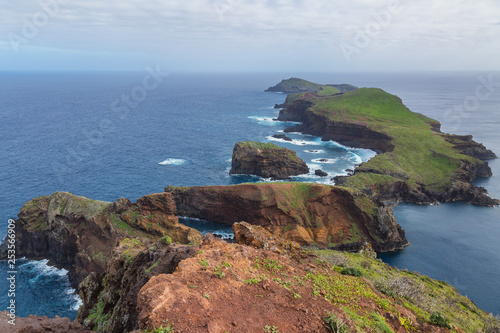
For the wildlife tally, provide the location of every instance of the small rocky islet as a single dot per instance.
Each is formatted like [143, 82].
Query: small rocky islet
[138, 269]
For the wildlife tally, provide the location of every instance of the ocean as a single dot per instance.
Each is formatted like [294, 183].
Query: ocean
[81, 133]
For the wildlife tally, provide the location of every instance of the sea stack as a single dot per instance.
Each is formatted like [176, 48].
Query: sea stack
[266, 160]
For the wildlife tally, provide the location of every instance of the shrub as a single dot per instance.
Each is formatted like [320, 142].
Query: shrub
[166, 240]
[335, 325]
[351, 271]
[404, 287]
[204, 263]
[438, 319]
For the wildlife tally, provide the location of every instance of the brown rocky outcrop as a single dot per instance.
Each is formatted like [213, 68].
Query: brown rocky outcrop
[237, 288]
[37, 324]
[266, 160]
[305, 213]
[78, 234]
[258, 237]
[110, 299]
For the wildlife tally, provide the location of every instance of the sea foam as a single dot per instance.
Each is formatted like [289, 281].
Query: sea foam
[173, 161]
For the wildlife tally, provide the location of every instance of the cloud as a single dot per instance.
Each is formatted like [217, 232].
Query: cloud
[308, 28]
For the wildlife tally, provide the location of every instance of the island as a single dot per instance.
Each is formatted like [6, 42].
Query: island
[137, 268]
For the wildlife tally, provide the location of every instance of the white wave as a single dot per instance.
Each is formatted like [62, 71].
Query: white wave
[325, 160]
[173, 161]
[364, 154]
[40, 267]
[270, 121]
[315, 151]
[355, 158]
[295, 142]
[76, 300]
[266, 121]
[313, 166]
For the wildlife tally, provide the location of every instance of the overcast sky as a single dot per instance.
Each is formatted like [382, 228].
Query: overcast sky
[250, 35]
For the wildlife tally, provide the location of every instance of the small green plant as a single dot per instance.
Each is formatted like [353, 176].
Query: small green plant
[406, 323]
[167, 329]
[192, 286]
[351, 271]
[438, 319]
[296, 295]
[335, 325]
[207, 296]
[228, 265]
[167, 240]
[204, 263]
[270, 329]
[218, 272]
[251, 281]
[153, 266]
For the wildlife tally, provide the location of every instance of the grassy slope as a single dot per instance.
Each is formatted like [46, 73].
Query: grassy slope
[296, 84]
[272, 150]
[421, 155]
[415, 292]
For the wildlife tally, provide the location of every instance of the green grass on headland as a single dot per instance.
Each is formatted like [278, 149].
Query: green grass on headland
[416, 292]
[421, 155]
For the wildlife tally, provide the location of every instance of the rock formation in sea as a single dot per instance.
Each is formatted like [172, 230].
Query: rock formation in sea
[266, 160]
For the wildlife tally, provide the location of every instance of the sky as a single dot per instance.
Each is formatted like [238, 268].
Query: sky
[250, 35]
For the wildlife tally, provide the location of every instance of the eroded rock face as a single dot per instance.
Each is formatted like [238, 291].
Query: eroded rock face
[258, 237]
[110, 299]
[304, 213]
[266, 160]
[78, 234]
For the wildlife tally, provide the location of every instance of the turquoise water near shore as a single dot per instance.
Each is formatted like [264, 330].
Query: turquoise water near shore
[183, 133]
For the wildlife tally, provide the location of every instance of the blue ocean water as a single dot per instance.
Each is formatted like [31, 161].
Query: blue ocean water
[63, 132]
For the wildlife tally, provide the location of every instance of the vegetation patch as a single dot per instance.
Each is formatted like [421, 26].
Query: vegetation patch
[418, 293]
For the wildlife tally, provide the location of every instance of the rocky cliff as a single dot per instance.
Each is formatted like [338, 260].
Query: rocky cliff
[306, 213]
[110, 299]
[78, 234]
[266, 287]
[266, 160]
